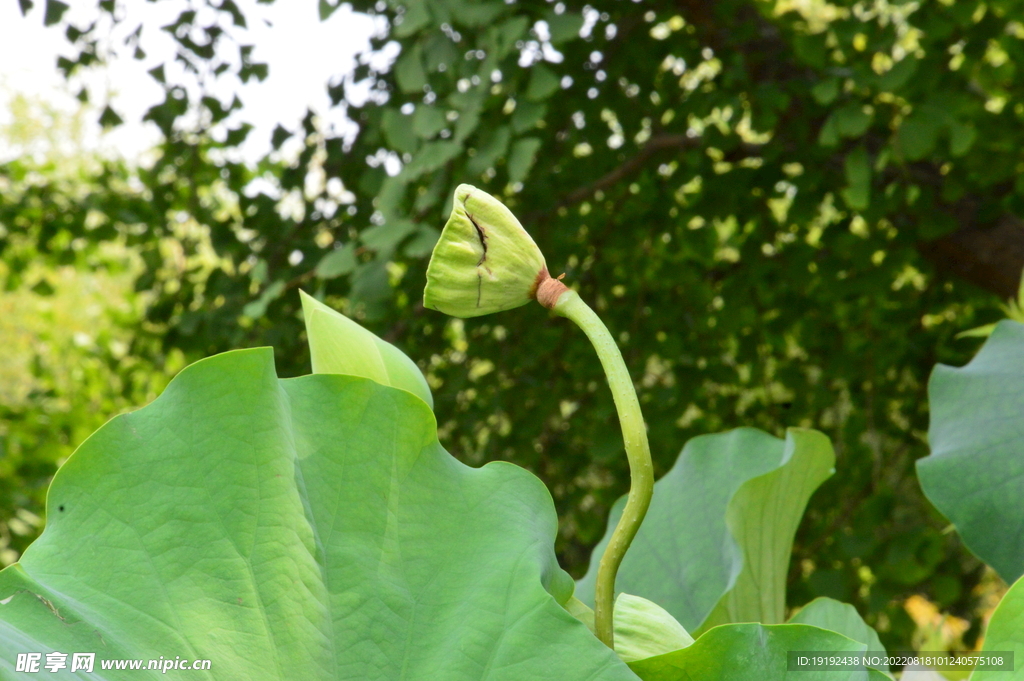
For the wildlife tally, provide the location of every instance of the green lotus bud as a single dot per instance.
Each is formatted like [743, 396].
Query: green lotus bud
[644, 629]
[484, 261]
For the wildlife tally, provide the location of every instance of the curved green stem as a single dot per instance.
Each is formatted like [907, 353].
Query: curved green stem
[634, 435]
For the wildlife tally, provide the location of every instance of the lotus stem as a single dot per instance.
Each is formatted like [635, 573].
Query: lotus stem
[567, 303]
[485, 262]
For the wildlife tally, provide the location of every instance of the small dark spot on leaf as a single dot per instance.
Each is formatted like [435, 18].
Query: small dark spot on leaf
[787, 405]
[61, 508]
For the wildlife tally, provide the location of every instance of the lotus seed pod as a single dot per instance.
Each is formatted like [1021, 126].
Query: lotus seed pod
[484, 261]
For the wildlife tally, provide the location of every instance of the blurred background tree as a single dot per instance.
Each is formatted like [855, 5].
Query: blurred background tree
[786, 210]
[72, 351]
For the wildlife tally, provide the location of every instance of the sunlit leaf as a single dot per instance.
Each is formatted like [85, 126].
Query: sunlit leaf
[305, 528]
[338, 345]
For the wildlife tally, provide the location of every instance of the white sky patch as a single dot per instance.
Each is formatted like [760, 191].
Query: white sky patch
[304, 55]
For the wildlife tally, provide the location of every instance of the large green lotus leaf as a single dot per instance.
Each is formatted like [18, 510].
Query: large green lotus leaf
[841, 618]
[975, 473]
[719, 532]
[338, 345]
[1006, 633]
[310, 528]
[752, 652]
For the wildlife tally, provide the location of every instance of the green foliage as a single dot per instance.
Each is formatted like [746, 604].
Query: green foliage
[716, 543]
[315, 525]
[740, 188]
[975, 474]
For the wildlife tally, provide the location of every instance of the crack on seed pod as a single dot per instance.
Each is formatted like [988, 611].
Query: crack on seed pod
[483, 258]
[483, 238]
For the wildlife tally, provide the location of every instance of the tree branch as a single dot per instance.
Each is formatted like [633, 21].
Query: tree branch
[629, 167]
[636, 163]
